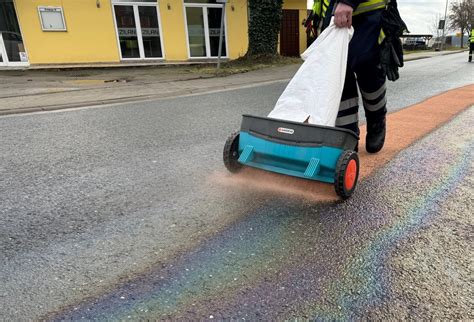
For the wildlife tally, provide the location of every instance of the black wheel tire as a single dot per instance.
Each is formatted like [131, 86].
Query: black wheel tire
[340, 175]
[231, 153]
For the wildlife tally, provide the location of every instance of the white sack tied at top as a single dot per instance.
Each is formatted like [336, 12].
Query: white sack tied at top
[314, 93]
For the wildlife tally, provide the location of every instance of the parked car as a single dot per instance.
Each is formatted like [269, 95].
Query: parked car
[415, 44]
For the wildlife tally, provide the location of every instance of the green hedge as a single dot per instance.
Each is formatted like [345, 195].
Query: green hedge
[264, 26]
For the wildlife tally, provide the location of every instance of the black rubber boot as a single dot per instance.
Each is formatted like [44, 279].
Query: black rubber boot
[375, 138]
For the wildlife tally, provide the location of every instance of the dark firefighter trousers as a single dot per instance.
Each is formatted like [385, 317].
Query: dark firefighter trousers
[471, 49]
[363, 71]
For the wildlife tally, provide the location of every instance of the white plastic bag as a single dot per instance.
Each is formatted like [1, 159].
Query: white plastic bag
[314, 93]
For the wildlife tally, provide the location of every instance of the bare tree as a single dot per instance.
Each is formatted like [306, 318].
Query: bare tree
[461, 16]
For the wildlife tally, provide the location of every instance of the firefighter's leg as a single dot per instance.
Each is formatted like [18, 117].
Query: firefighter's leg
[348, 117]
[364, 58]
[371, 81]
[471, 48]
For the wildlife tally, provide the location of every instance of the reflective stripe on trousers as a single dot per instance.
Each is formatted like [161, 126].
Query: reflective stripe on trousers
[346, 115]
[372, 86]
[376, 100]
[376, 104]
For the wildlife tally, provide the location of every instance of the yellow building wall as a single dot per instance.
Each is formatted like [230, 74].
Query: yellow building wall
[301, 6]
[238, 28]
[173, 30]
[90, 35]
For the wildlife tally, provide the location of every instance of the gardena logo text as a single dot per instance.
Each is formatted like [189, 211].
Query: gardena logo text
[285, 130]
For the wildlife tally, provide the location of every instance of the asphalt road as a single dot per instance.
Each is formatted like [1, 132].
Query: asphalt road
[112, 212]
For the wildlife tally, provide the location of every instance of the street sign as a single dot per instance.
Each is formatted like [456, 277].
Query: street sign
[221, 1]
[441, 24]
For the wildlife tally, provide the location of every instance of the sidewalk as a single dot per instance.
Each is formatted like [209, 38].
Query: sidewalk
[430, 54]
[24, 91]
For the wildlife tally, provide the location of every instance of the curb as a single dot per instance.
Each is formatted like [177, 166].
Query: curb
[106, 87]
[443, 54]
[48, 108]
[95, 66]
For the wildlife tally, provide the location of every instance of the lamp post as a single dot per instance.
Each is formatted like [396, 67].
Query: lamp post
[221, 35]
[444, 27]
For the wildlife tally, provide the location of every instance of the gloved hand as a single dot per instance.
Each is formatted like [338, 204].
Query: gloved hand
[391, 57]
[391, 47]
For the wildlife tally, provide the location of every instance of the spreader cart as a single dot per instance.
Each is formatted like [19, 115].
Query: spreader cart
[302, 150]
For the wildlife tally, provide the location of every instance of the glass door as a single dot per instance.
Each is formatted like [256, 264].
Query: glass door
[203, 24]
[127, 32]
[150, 31]
[214, 17]
[12, 49]
[196, 32]
[138, 30]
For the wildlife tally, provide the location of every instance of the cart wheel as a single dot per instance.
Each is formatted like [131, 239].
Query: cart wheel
[347, 173]
[231, 153]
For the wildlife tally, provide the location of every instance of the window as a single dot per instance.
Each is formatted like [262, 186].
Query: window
[52, 18]
[201, 1]
[138, 1]
[138, 29]
[203, 24]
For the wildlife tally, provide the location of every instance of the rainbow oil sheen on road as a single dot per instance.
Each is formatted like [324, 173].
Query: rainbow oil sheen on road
[294, 259]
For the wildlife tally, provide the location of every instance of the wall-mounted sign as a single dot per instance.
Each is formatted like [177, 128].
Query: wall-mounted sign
[52, 18]
[23, 56]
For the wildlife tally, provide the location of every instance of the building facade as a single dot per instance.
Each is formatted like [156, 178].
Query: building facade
[55, 32]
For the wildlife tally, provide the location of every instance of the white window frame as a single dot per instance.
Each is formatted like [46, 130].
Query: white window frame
[138, 26]
[4, 61]
[204, 7]
[62, 17]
